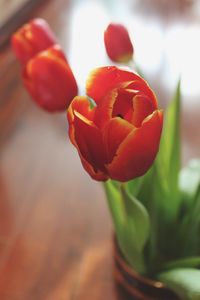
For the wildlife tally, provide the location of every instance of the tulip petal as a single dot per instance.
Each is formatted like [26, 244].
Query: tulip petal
[104, 109]
[56, 51]
[41, 34]
[32, 38]
[142, 107]
[96, 175]
[123, 106]
[117, 103]
[50, 80]
[90, 142]
[82, 106]
[114, 133]
[104, 79]
[143, 88]
[138, 151]
[22, 49]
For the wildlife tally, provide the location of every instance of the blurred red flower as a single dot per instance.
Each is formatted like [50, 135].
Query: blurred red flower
[32, 38]
[117, 43]
[49, 79]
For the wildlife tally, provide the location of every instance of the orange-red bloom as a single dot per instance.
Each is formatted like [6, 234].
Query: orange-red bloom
[32, 38]
[49, 79]
[118, 44]
[119, 136]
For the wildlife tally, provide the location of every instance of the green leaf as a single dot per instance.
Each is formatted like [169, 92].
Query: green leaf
[184, 282]
[137, 219]
[91, 102]
[134, 186]
[190, 227]
[115, 204]
[132, 255]
[131, 224]
[168, 161]
[187, 262]
[189, 180]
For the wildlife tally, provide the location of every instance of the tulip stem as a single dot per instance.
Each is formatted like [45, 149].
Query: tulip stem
[133, 65]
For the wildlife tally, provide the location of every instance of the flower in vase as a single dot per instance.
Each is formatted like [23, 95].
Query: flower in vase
[117, 133]
[32, 38]
[49, 79]
[118, 44]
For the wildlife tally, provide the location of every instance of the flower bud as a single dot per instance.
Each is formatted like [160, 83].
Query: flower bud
[118, 44]
[118, 138]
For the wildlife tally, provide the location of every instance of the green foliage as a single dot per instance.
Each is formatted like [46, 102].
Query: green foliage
[137, 219]
[190, 226]
[189, 181]
[159, 191]
[157, 216]
[169, 158]
[131, 222]
[188, 262]
[184, 282]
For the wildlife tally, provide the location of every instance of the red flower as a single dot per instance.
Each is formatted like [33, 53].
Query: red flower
[32, 38]
[49, 79]
[119, 137]
[118, 44]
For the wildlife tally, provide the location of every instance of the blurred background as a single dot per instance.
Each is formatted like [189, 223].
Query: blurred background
[164, 34]
[55, 229]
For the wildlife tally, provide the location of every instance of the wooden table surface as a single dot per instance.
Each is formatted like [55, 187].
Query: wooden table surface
[55, 228]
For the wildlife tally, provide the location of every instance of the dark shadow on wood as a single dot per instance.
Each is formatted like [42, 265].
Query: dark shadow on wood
[20, 16]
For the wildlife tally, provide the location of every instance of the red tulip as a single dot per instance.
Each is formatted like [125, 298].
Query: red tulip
[49, 79]
[32, 38]
[119, 137]
[118, 44]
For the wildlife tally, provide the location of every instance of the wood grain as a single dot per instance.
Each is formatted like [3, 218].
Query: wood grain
[55, 228]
